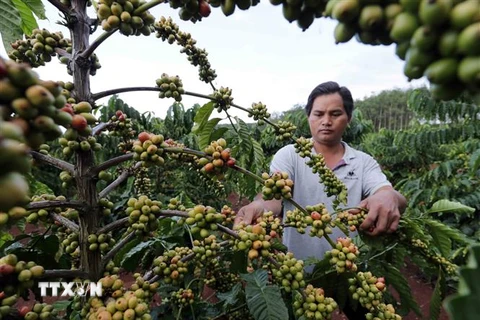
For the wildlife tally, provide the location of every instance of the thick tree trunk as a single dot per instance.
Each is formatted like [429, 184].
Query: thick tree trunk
[90, 261]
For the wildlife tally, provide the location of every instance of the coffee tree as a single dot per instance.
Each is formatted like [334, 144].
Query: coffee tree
[186, 251]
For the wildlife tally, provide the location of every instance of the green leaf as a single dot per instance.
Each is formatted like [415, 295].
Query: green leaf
[61, 305]
[202, 116]
[475, 161]
[395, 278]
[465, 304]
[122, 252]
[4, 238]
[437, 296]
[451, 233]
[445, 205]
[258, 154]
[264, 302]
[218, 133]
[28, 20]
[205, 133]
[131, 258]
[231, 297]
[37, 8]
[10, 24]
[441, 239]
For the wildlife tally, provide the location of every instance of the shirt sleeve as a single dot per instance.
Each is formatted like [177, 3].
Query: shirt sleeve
[373, 177]
[284, 160]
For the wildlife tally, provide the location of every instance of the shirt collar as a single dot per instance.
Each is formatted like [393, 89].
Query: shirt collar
[347, 156]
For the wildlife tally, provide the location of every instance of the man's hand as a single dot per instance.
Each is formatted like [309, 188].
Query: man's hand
[384, 208]
[249, 213]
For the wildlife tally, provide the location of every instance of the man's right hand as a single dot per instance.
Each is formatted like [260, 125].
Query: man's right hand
[249, 213]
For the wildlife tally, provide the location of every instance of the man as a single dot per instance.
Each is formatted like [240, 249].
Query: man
[329, 110]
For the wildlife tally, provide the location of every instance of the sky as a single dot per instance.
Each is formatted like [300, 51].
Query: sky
[257, 53]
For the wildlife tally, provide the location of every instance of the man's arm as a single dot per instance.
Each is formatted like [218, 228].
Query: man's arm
[384, 209]
[249, 213]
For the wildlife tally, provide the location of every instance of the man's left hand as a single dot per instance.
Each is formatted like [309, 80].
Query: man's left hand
[383, 212]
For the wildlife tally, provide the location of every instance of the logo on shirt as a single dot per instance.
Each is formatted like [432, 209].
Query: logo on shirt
[351, 175]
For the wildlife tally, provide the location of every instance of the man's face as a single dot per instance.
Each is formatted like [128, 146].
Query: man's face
[328, 119]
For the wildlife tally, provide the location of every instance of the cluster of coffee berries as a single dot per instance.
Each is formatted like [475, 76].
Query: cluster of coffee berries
[254, 240]
[288, 271]
[193, 10]
[176, 204]
[303, 147]
[175, 149]
[383, 312]
[170, 87]
[149, 149]
[259, 113]
[272, 224]
[67, 88]
[322, 222]
[123, 15]
[297, 219]
[13, 163]
[38, 47]
[16, 277]
[106, 206]
[43, 214]
[166, 29]
[344, 255]
[142, 183]
[202, 220]
[82, 115]
[333, 185]
[44, 149]
[183, 297]
[196, 56]
[352, 220]
[436, 258]
[206, 250]
[220, 278]
[41, 311]
[313, 304]
[111, 269]
[284, 130]
[71, 243]
[218, 158]
[12, 215]
[367, 289]
[25, 97]
[121, 305]
[70, 143]
[66, 178]
[142, 214]
[222, 99]
[112, 285]
[142, 288]
[228, 215]
[102, 242]
[169, 31]
[276, 186]
[121, 125]
[436, 39]
[171, 266]
[242, 313]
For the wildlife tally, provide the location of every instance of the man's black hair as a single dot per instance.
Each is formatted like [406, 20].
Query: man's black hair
[329, 88]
